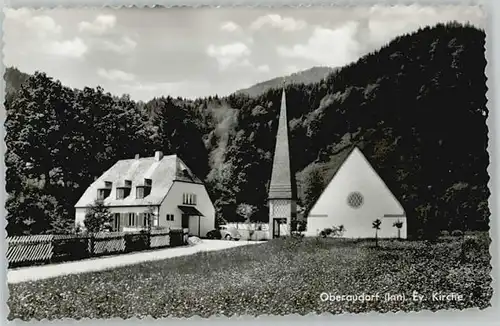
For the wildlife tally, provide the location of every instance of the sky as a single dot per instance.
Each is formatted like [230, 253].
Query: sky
[196, 52]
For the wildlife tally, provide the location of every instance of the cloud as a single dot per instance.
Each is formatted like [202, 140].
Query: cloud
[229, 26]
[229, 54]
[115, 75]
[20, 14]
[42, 25]
[330, 47]
[74, 48]
[276, 21]
[126, 45]
[385, 23]
[100, 25]
[263, 68]
[40, 34]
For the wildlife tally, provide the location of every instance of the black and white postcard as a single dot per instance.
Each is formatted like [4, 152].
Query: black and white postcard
[246, 161]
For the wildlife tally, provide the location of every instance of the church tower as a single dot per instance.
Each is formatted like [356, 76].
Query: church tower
[282, 195]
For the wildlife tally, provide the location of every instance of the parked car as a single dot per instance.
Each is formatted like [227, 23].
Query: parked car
[214, 234]
[224, 232]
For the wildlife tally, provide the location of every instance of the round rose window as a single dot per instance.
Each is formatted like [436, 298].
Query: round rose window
[355, 199]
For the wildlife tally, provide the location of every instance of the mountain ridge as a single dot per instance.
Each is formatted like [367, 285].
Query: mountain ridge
[309, 76]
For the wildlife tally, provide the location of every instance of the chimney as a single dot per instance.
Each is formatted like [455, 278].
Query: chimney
[136, 156]
[158, 155]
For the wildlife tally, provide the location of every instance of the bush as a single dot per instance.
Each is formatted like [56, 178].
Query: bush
[136, 242]
[70, 248]
[160, 228]
[457, 233]
[176, 237]
[445, 233]
[326, 232]
[470, 245]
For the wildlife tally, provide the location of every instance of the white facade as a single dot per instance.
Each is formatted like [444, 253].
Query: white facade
[354, 198]
[169, 206]
[198, 226]
[282, 209]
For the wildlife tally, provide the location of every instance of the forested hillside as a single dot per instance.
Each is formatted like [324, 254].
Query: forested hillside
[309, 76]
[416, 107]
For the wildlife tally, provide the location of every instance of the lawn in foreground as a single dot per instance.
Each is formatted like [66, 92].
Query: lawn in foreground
[282, 276]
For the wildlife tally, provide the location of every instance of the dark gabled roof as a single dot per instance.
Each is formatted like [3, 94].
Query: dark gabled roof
[330, 169]
[281, 185]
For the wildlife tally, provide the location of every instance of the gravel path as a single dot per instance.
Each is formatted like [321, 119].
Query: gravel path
[25, 274]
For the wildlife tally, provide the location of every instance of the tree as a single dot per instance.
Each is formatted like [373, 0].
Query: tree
[376, 225]
[399, 225]
[313, 188]
[340, 230]
[245, 211]
[97, 217]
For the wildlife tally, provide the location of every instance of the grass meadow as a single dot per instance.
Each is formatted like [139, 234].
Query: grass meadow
[282, 276]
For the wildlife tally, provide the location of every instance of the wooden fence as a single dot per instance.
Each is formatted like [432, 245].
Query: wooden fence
[43, 249]
[247, 226]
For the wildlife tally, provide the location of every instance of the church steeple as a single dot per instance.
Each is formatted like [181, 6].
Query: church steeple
[281, 180]
[281, 200]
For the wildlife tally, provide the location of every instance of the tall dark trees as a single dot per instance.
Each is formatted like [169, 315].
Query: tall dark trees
[417, 105]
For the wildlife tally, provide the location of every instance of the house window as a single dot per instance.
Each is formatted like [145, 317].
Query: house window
[120, 193]
[101, 194]
[170, 217]
[131, 219]
[146, 219]
[140, 192]
[116, 224]
[189, 199]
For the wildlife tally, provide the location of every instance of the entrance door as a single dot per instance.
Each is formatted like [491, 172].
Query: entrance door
[185, 221]
[276, 227]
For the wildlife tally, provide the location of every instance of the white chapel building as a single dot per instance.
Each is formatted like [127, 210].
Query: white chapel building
[354, 198]
[160, 188]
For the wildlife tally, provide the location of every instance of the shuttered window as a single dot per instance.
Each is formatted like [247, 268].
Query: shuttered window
[131, 219]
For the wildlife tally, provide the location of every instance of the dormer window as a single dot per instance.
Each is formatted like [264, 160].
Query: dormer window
[140, 192]
[123, 190]
[101, 194]
[120, 193]
[144, 189]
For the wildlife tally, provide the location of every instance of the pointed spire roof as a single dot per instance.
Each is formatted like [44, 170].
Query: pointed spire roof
[281, 178]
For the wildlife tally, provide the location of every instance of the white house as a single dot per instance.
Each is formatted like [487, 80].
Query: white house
[161, 189]
[354, 198]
